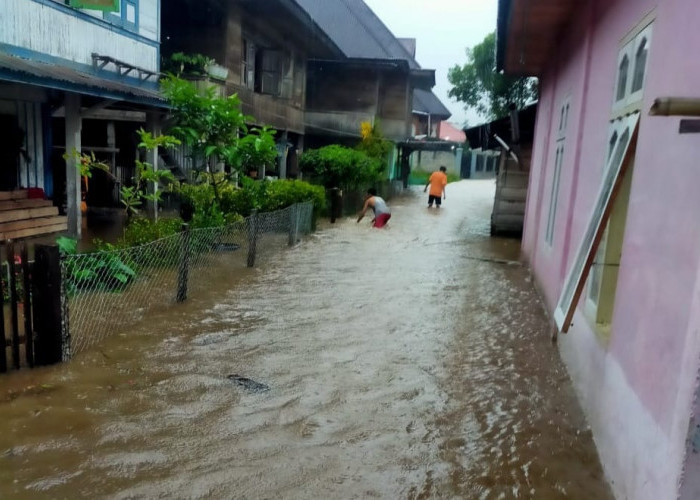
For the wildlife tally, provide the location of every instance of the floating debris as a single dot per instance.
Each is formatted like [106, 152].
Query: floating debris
[248, 384]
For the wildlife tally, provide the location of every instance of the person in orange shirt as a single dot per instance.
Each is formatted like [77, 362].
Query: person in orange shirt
[437, 183]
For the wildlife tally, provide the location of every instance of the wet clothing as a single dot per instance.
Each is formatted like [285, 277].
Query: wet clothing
[438, 181]
[381, 220]
[436, 199]
[380, 206]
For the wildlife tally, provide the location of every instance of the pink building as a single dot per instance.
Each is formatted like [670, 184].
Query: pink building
[604, 169]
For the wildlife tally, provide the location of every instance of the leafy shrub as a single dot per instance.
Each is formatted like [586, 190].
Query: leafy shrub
[99, 270]
[187, 64]
[208, 211]
[338, 166]
[235, 203]
[283, 193]
[142, 230]
[373, 143]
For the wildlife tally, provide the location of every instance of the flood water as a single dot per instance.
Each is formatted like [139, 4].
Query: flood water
[412, 362]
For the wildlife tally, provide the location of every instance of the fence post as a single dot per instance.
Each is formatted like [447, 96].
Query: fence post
[28, 330]
[297, 224]
[293, 211]
[52, 343]
[13, 303]
[336, 204]
[184, 268]
[252, 229]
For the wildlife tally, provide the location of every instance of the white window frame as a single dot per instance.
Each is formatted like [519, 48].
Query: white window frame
[632, 101]
[580, 267]
[562, 122]
[645, 34]
[248, 51]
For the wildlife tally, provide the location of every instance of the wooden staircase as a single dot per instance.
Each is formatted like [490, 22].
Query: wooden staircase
[24, 217]
[508, 214]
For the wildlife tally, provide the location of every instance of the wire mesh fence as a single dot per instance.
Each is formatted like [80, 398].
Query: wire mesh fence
[110, 291]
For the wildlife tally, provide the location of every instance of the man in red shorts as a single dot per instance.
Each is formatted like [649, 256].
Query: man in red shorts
[382, 212]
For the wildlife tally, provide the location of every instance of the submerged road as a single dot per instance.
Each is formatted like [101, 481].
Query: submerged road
[412, 362]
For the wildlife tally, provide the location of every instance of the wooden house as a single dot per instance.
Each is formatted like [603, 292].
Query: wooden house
[74, 76]
[373, 82]
[265, 48]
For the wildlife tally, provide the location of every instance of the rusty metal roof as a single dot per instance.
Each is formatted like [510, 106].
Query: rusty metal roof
[54, 76]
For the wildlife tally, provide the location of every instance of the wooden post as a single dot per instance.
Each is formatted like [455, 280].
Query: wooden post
[252, 230]
[336, 204]
[297, 223]
[293, 210]
[13, 303]
[184, 269]
[3, 352]
[52, 343]
[73, 143]
[28, 329]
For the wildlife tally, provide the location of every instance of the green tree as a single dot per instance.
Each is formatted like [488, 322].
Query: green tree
[216, 130]
[479, 86]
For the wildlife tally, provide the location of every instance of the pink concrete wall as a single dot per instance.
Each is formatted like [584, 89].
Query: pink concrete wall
[637, 391]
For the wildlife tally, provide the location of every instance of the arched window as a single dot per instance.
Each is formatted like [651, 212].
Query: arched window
[640, 63]
[622, 78]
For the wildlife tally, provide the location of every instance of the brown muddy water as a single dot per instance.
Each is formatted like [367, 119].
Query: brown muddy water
[412, 362]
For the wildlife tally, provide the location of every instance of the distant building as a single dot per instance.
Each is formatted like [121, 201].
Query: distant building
[428, 113]
[448, 132]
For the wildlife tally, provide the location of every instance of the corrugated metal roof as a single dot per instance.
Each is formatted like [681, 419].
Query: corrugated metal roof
[357, 30]
[19, 70]
[424, 101]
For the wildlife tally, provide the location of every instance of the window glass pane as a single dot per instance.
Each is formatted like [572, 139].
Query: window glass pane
[640, 62]
[611, 146]
[554, 197]
[597, 270]
[621, 148]
[622, 78]
[561, 119]
[130, 13]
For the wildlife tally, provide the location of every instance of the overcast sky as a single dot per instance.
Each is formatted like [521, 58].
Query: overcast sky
[443, 30]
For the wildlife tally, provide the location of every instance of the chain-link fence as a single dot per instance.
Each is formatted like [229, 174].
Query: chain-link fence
[110, 291]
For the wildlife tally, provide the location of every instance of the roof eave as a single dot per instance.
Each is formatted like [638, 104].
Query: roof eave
[423, 78]
[529, 32]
